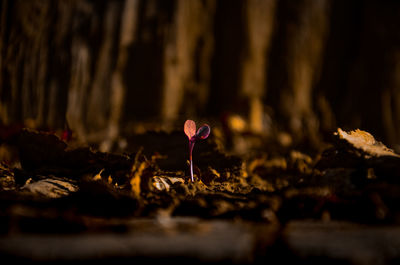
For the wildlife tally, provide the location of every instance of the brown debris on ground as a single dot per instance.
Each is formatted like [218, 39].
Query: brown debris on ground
[60, 189]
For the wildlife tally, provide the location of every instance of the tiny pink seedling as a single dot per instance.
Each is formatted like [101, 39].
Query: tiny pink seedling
[202, 133]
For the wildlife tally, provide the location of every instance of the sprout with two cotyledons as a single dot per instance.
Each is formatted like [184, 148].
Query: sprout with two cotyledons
[190, 131]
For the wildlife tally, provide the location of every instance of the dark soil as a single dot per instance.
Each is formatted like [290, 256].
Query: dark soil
[61, 201]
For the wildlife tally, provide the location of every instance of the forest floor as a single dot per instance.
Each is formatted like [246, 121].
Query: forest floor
[63, 202]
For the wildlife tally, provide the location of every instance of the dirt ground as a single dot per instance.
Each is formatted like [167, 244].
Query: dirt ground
[254, 200]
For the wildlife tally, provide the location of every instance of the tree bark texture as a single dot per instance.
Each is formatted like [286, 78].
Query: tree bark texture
[304, 67]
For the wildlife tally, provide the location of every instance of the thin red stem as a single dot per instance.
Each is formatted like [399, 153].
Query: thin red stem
[191, 145]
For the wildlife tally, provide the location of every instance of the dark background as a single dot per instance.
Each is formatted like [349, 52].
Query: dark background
[300, 67]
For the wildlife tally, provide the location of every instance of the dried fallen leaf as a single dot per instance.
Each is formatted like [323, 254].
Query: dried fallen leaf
[51, 188]
[365, 142]
[98, 175]
[164, 183]
[136, 179]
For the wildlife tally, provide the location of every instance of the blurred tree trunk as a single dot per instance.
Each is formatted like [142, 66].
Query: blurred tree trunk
[299, 50]
[259, 22]
[59, 59]
[91, 65]
[360, 77]
[187, 59]
[309, 65]
[118, 87]
[375, 75]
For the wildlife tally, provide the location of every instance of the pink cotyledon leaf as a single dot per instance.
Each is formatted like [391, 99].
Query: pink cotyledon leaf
[190, 131]
[203, 132]
[190, 128]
